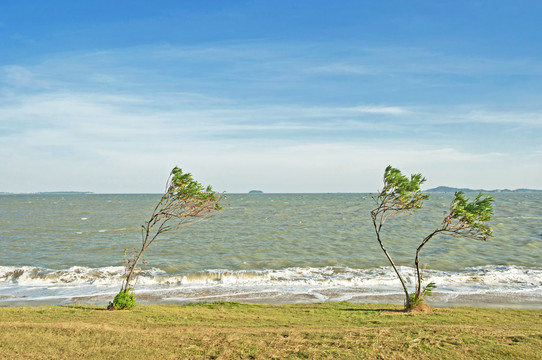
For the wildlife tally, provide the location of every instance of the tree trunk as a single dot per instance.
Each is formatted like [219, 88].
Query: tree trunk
[136, 260]
[417, 262]
[393, 265]
[132, 270]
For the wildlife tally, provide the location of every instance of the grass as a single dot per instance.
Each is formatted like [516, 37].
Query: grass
[248, 331]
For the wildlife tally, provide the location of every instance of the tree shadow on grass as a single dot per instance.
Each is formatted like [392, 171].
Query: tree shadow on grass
[352, 307]
[378, 310]
[85, 307]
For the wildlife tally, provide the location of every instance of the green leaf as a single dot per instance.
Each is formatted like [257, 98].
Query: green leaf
[402, 193]
[473, 214]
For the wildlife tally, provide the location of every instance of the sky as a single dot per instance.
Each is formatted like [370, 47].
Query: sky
[278, 96]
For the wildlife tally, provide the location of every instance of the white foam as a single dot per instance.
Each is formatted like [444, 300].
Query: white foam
[320, 284]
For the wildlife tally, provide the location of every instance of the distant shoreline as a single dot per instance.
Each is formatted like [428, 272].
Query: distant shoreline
[438, 189]
[447, 189]
[50, 193]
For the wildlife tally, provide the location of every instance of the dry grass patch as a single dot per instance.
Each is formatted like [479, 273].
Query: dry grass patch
[247, 331]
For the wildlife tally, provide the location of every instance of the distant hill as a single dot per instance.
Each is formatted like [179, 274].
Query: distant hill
[255, 192]
[447, 189]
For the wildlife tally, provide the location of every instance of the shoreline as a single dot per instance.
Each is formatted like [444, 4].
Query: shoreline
[482, 301]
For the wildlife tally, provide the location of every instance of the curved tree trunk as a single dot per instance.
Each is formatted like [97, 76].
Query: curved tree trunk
[144, 246]
[403, 283]
[131, 273]
[417, 262]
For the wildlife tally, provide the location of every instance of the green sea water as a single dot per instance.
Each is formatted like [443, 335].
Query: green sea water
[78, 240]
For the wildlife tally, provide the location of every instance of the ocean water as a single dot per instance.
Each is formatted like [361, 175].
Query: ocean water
[268, 248]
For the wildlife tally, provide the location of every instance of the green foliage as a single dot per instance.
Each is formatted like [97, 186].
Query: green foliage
[401, 193]
[125, 300]
[428, 289]
[469, 218]
[414, 300]
[182, 186]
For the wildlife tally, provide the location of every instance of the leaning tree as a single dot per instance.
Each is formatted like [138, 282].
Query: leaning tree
[184, 202]
[401, 194]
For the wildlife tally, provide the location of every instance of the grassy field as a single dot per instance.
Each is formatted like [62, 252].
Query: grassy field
[247, 331]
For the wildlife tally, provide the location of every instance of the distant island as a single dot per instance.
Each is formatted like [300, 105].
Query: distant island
[255, 192]
[447, 189]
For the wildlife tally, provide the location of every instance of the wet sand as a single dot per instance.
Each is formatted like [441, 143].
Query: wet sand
[494, 300]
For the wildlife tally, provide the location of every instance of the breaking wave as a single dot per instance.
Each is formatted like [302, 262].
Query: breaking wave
[28, 284]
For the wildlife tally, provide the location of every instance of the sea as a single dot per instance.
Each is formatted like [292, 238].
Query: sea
[59, 249]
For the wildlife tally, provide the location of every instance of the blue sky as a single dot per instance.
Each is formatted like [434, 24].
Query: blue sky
[282, 96]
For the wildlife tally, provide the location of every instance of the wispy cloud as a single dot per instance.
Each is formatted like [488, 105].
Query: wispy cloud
[257, 60]
[17, 76]
[258, 115]
[531, 119]
[341, 68]
[104, 111]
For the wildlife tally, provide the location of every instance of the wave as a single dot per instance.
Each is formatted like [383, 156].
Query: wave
[383, 278]
[499, 286]
[74, 276]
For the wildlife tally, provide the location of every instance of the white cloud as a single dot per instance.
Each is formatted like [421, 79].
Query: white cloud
[89, 121]
[16, 76]
[239, 166]
[388, 110]
[339, 167]
[417, 60]
[113, 115]
[87, 141]
[341, 68]
[533, 119]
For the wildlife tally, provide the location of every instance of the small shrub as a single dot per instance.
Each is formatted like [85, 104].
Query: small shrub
[125, 300]
[427, 291]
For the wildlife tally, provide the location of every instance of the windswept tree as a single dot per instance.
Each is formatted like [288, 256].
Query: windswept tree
[399, 195]
[403, 195]
[184, 202]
